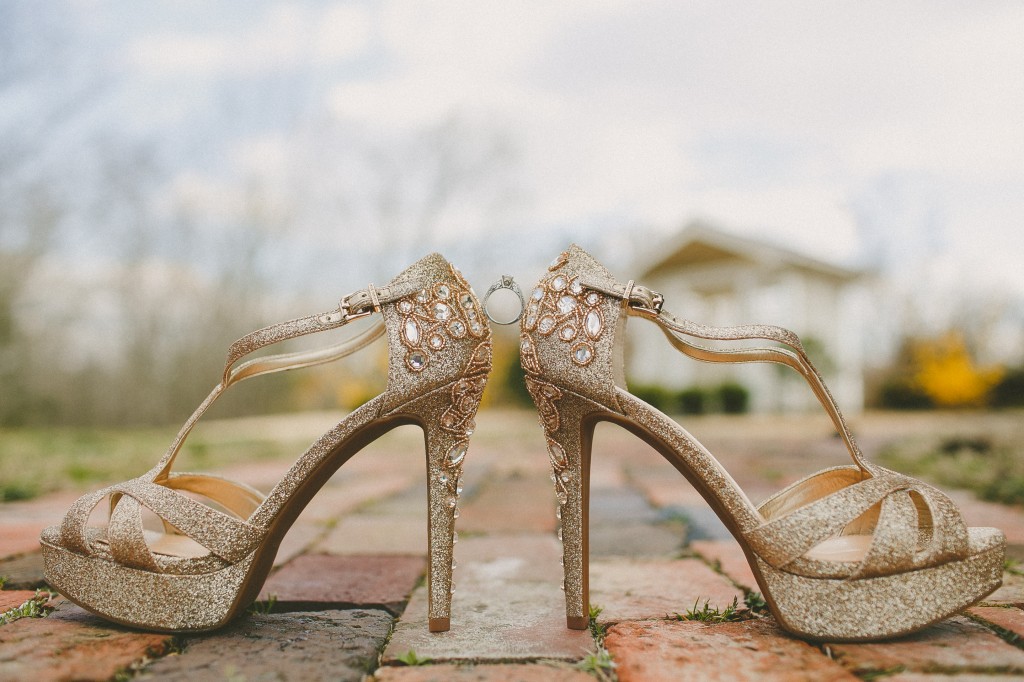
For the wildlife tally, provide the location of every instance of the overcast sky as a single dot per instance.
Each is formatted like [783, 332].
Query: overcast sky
[889, 131]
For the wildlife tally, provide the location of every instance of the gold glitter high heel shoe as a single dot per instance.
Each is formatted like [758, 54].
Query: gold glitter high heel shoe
[851, 553]
[210, 561]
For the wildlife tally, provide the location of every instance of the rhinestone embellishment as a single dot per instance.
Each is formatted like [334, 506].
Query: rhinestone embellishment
[431, 317]
[562, 303]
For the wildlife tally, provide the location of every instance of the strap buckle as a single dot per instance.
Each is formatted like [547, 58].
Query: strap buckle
[643, 299]
[360, 304]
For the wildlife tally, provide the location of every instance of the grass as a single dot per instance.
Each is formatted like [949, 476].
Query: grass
[35, 607]
[600, 663]
[754, 604]
[410, 658]
[38, 461]
[711, 614]
[993, 470]
[264, 607]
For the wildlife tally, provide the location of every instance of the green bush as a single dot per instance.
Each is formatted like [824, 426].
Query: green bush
[730, 397]
[733, 398]
[655, 396]
[693, 400]
[898, 394]
[1009, 392]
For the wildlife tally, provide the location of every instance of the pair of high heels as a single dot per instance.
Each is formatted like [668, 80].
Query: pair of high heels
[851, 553]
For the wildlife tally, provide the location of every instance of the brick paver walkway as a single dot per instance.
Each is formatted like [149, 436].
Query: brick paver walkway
[350, 601]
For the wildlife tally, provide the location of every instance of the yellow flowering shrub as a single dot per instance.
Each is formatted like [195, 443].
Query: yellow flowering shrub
[946, 373]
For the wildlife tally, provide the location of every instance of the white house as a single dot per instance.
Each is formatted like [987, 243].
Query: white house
[717, 278]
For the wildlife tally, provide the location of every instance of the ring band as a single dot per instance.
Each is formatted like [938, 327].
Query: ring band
[506, 282]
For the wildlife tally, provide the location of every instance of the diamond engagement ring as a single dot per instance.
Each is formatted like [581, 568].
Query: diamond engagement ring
[506, 282]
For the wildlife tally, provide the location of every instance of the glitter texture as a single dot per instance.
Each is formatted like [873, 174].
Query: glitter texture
[851, 553]
[210, 564]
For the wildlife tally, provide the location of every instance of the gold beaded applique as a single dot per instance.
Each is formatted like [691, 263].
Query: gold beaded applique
[544, 397]
[458, 419]
[560, 305]
[432, 316]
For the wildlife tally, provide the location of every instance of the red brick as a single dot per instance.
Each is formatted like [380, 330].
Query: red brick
[502, 672]
[1012, 591]
[343, 495]
[940, 677]
[753, 650]
[10, 599]
[953, 644]
[1007, 618]
[507, 607]
[72, 644]
[1009, 519]
[655, 588]
[19, 538]
[499, 507]
[300, 537]
[374, 534]
[23, 572]
[321, 581]
[327, 645]
[731, 560]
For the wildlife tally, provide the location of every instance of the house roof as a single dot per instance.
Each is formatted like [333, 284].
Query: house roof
[702, 243]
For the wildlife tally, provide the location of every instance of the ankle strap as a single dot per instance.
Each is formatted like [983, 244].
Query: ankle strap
[646, 303]
[352, 307]
[356, 305]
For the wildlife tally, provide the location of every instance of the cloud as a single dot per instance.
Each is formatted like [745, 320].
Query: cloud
[770, 118]
[285, 36]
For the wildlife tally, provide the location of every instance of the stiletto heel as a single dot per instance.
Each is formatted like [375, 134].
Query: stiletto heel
[448, 421]
[852, 553]
[211, 560]
[569, 433]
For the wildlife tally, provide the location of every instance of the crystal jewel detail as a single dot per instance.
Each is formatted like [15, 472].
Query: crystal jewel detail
[593, 324]
[442, 291]
[582, 354]
[412, 331]
[457, 328]
[576, 288]
[441, 311]
[546, 325]
[416, 360]
[567, 333]
[566, 304]
[436, 341]
[557, 454]
[558, 283]
[457, 454]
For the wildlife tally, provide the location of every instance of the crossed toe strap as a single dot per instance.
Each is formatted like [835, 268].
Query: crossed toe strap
[225, 535]
[912, 525]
